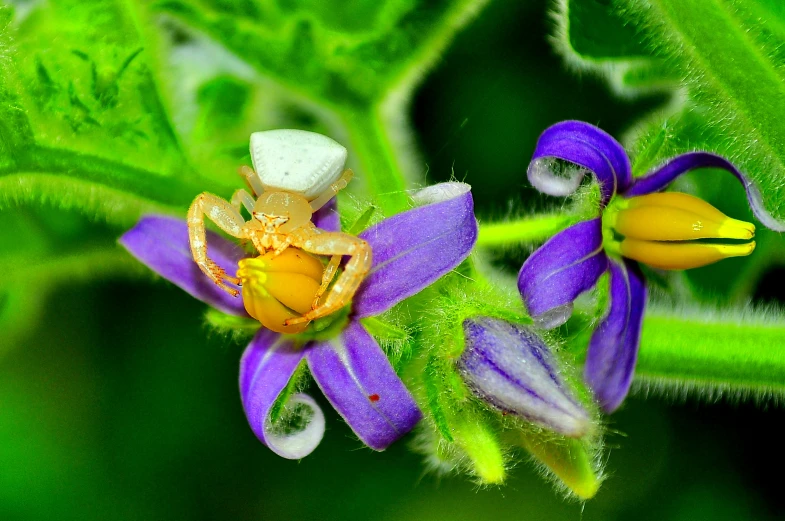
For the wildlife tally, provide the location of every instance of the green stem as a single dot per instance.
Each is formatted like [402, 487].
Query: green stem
[381, 171]
[712, 352]
[530, 229]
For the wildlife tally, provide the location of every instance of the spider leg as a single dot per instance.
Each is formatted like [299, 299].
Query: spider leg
[324, 197]
[228, 219]
[251, 179]
[336, 244]
[329, 274]
[242, 198]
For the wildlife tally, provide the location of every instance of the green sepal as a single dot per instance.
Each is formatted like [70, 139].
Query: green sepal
[295, 384]
[478, 440]
[572, 462]
[383, 330]
[362, 221]
[463, 436]
[240, 328]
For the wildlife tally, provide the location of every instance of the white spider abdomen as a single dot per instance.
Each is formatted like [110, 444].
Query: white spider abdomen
[297, 161]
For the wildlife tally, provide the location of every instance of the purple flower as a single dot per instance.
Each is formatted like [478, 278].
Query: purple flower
[411, 250]
[635, 224]
[510, 367]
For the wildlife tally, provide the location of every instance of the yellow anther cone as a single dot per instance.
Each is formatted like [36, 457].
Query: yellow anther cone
[679, 255]
[677, 217]
[277, 288]
[661, 230]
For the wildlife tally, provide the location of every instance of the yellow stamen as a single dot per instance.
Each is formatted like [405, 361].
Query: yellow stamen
[656, 227]
[681, 256]
[277, 288]
[674, 216]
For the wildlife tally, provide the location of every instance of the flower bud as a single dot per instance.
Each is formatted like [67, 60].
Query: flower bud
[279, 287]
[511, 368]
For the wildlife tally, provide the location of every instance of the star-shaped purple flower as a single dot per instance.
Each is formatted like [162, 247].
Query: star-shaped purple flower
[572, 261]
[411, 250]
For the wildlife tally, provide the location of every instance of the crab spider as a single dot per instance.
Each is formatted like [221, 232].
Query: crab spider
[295, 173]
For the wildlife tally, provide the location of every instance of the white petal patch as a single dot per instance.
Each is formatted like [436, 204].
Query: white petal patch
[440, 192]
[554, 317]
[763, 215]
[553, 177]
[303, 432]
[297, 161]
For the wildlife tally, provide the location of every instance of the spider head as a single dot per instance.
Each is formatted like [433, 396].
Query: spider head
[281, 212]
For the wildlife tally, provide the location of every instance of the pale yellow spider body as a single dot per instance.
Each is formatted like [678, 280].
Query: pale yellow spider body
[281, 216]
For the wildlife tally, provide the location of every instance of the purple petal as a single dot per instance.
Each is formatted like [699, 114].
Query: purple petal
[161, 243]
[560, 270]
[327, 217]
[267, 366]
[587, 146]
[510, 367]
[663, 176]
[356, 377]
[613, 349]
[411, 250]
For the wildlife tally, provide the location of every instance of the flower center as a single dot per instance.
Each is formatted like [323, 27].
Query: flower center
[279, 287]
[674, 231]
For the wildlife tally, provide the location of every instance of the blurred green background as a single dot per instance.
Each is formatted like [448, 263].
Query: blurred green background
[121, 404]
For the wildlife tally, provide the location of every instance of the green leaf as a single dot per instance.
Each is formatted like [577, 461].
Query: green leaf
[707, 41]
[363, 68]
[327, 50]
[82, 121]
[596, 37]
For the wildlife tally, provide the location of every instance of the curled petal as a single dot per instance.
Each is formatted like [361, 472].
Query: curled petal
[161, 243]
[411, 250]
[663, 176]
[267, 366]
[560, 270]
[613, 349]
[586, 146]
[358, 380]
[510, 367]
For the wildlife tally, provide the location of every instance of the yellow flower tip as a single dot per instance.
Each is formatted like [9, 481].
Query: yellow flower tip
[735, 229]
[569, 460]
[680, 255]
[586, 490]
[279, 287]
[674, 216]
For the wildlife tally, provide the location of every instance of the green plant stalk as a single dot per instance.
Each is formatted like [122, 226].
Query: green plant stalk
[382, 174]
[529, 229]
[711, 353]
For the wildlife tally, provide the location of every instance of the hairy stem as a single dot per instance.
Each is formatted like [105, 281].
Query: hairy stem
[529, 229]
[711, 353]
[382, 174]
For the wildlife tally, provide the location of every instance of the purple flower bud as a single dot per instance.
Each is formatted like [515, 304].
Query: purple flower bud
[511, 368]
